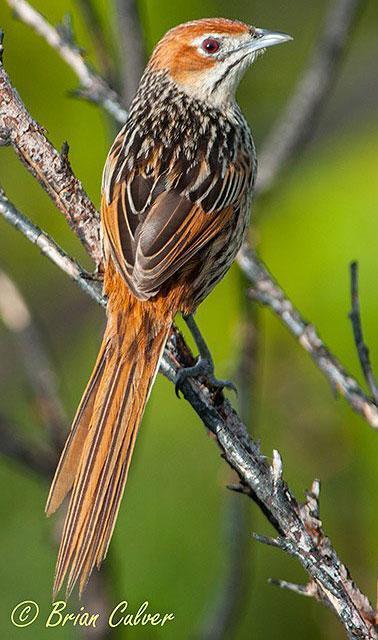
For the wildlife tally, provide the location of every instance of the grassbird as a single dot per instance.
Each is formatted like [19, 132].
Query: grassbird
[176, 199]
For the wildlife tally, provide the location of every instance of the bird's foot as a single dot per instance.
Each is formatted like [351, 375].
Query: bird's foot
[203, 367]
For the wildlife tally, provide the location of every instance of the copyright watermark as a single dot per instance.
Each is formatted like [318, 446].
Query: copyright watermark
[27, 612]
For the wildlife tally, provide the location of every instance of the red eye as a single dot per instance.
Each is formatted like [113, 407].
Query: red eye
[211, 45]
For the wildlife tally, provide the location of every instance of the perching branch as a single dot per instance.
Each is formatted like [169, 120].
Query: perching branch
[362, 349]
[297, 124]
[264, 484]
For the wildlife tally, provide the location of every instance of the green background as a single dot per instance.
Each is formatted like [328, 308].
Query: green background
[169, 546]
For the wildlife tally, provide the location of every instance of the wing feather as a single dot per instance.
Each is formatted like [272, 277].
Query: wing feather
[158, 220]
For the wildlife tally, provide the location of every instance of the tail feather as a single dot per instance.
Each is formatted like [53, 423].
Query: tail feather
[101, 443]
[93, 460]
[70, 458]
[87, 521]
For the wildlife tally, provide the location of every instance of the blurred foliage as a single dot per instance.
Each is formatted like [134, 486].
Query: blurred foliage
[168, 546]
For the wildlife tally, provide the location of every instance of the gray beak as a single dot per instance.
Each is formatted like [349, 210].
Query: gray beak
[263, 38]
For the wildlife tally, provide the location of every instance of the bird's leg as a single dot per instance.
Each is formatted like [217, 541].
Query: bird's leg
[204, 365]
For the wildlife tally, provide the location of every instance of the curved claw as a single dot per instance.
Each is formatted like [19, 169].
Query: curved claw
[223, 384]
[202, 368]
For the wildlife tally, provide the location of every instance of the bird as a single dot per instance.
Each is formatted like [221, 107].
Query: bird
[175, 206]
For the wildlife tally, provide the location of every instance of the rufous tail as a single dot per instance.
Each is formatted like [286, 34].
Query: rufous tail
[96, 458]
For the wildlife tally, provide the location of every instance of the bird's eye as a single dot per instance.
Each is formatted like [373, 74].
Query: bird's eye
[211, 45]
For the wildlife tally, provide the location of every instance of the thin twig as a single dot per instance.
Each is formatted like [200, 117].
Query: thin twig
[300, 589]
[132, 47]
[92, 86]
[362, 349]
[267, 291]
[297, 124]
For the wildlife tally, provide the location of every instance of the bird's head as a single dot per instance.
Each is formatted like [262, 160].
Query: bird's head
[206, 58]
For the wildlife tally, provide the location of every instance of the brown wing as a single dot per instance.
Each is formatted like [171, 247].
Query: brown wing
[153, 224]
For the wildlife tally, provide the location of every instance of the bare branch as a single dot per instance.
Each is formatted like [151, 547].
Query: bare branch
[132, 48]
[267, 291]
[93, 87]
[362, 349]
[309, 512]
[276, 501]
[297, 124]
[309, 590]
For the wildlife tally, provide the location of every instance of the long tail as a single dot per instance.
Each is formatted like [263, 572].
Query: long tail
[96, 458]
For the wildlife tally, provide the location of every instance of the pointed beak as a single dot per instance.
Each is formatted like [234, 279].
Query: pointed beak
[263, 38]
